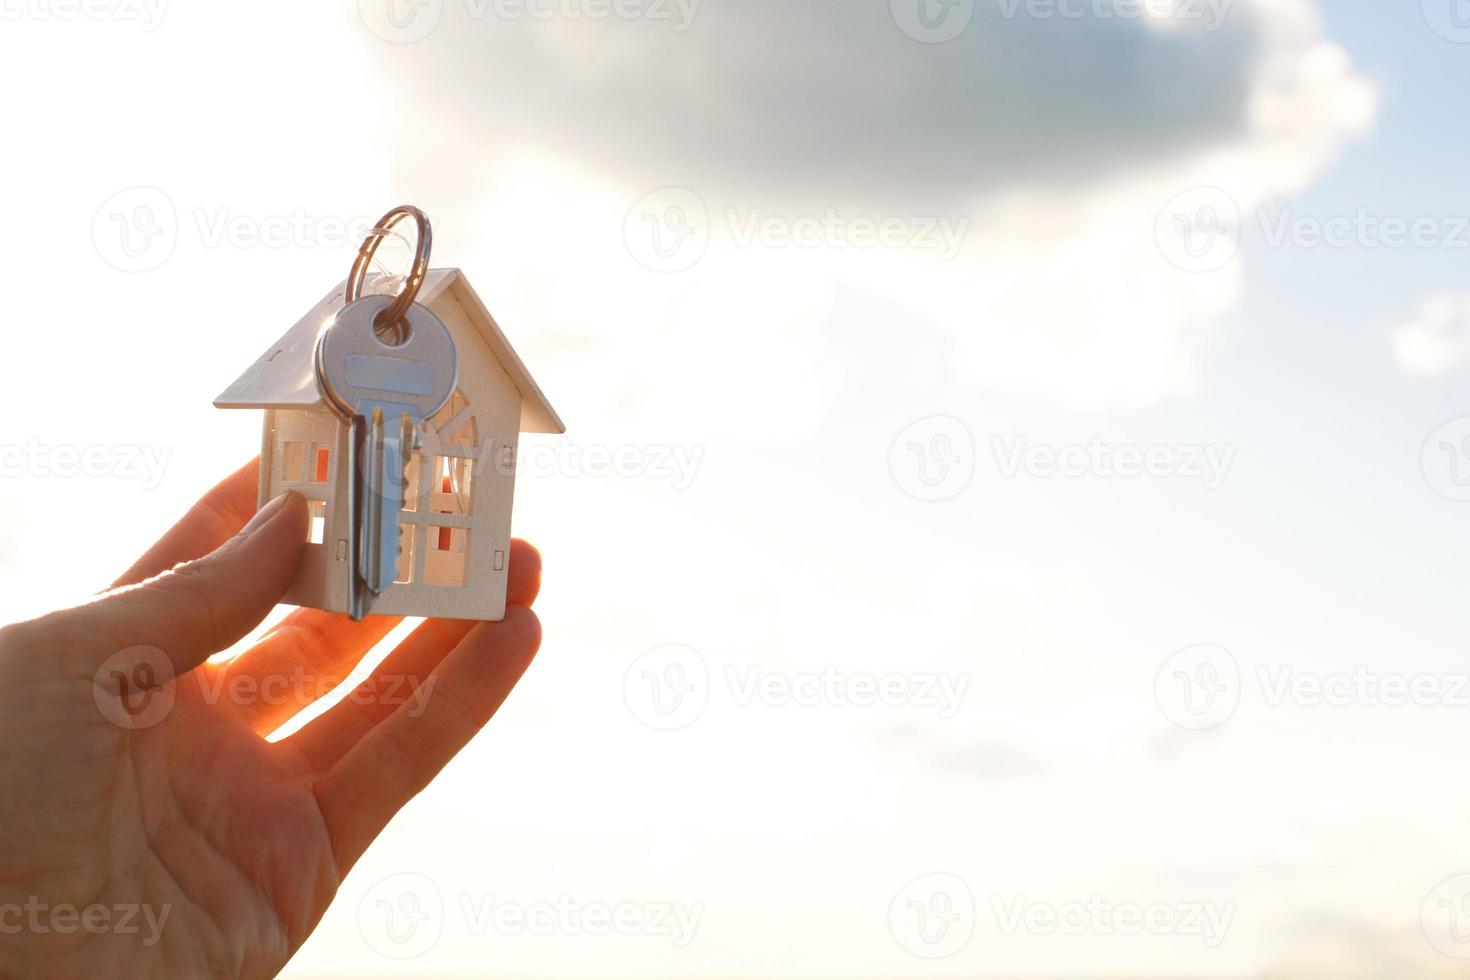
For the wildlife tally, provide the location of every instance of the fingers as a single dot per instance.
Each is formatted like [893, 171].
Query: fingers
[209, 523]
[310, 652]
[523, 573]
[398, 758]
[301, 659]
[204, 606]
[325, 740]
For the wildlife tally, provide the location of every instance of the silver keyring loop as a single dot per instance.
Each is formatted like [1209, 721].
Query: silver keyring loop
[416, 274]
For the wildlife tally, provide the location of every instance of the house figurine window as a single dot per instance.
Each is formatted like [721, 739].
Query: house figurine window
[454, 529]
[304, 464]
[438, 512]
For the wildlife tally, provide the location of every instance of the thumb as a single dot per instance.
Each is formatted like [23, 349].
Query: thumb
[204, 606]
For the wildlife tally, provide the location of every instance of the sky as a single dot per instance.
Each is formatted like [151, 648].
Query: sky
[1035, 544]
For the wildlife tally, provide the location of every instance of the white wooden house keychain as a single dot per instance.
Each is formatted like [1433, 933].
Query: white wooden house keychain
[398, 419]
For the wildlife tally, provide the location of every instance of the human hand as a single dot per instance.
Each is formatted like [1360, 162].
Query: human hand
[127, 795]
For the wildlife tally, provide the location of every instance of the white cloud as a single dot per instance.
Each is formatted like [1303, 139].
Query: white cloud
[1092, 296]
[1061, 147]
[1438, 340]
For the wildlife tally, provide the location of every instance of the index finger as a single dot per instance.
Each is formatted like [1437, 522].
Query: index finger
[216, 518]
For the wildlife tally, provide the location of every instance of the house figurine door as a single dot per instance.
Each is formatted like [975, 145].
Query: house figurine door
[454, 528]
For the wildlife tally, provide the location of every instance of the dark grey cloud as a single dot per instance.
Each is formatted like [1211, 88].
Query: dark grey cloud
[979, 758]
[831, 95]
[1326, 944]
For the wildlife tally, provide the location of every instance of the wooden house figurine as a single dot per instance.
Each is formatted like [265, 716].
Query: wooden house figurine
[454, 529]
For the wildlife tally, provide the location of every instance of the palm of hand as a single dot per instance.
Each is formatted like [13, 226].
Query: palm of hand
[154, 831]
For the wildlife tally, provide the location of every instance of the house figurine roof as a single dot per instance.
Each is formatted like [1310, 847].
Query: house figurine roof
[285, 375]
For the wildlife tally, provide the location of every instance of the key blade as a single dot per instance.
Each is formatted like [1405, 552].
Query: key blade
[372, 505]
[356, 593]
[393, 443]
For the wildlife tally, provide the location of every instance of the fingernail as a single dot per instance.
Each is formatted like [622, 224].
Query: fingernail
[263, 516]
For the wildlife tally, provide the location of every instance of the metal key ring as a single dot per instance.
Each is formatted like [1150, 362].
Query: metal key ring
[393, 315]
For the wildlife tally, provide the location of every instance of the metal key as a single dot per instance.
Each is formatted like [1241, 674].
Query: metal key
[385, 391]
